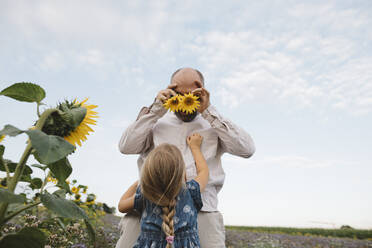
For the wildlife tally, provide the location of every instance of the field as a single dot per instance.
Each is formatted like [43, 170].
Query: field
[277, 237]
[262, 239]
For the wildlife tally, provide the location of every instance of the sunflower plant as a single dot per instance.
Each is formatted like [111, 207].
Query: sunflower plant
[187, 103]
[50, 141]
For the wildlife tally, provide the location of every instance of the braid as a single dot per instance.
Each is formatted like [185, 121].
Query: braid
[168, 214]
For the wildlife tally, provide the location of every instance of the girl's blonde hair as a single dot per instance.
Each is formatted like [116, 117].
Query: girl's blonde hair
[162, 177]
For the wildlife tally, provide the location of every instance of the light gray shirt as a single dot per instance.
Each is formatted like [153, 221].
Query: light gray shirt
[155, 126]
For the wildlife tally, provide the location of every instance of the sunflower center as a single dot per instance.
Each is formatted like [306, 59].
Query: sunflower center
[189, 101]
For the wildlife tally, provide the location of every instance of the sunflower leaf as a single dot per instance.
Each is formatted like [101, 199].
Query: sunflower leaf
[12, 167]
[9, 197]
[28, 237]
[61, 169]
[2, 149]
[36, 183]
[75, 116]
[25, 178]
[62, 207]
[63, 185]
[10, 130]
[60, 193]
[42, 167]
[49, 148]
[25, 92]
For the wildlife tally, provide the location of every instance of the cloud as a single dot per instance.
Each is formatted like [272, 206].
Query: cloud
[133, 26]
[303, 70]
[52, 61]
[312, 55]
[333, 16]
[91, 57]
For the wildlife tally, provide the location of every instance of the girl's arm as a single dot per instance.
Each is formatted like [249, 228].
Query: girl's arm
[126, 202]
[194, 141]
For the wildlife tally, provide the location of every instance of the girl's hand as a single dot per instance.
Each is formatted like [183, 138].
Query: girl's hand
[194, 141]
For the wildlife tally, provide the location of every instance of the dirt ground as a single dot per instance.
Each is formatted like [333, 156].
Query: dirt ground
[245, 239]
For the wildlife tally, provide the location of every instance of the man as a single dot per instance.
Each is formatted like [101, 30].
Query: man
[155, 126]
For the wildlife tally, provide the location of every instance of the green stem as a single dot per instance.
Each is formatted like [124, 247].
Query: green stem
[45, 182]
[38, 109]
[21, 164]
[7, 170]
[15, 179]
[10, 216]
[20, 167]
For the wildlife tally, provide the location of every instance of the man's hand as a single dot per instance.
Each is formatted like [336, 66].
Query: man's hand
[203, 95]
[164, 95]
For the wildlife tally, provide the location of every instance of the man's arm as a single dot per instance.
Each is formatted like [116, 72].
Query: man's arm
[137, 138]
[233, 139]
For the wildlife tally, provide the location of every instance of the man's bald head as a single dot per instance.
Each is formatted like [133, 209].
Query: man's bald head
[187, 80]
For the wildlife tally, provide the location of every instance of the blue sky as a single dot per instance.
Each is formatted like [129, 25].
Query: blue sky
[296, 75]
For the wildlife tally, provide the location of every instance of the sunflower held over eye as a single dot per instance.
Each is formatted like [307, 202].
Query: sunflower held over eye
[72, 121]
[173, 103]
[189, 103]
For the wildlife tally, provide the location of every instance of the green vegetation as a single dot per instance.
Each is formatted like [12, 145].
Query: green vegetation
[340, 233]
[47, 207]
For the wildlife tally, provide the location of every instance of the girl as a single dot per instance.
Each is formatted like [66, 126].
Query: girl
[168, 205]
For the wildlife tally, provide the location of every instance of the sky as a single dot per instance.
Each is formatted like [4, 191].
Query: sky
[296, 75]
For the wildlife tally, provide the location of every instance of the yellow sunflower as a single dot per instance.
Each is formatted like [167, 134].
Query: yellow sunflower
[80, 133]
[75, 190]
[72, 121]
[189, 103]
[3, 183]
[173, 103]
[2, 137]
[90, 199]
[77, 197]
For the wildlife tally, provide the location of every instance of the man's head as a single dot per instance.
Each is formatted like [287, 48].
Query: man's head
[186, 80]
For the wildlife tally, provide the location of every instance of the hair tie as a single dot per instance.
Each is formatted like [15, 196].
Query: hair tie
[169, 239]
